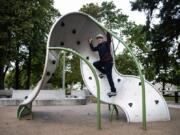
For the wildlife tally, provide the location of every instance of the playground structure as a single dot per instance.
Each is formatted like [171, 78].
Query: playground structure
[139, 100]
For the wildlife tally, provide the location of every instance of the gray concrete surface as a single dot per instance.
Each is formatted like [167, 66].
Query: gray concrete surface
[80, 120]
[47, 97]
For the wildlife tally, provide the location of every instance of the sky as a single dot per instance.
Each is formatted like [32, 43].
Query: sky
[67, 6]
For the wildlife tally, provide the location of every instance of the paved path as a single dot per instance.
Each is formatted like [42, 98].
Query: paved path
[177, 106]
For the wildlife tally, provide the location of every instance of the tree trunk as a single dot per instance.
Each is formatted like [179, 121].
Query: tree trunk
[29, 69]
[17, 74]
[2, 75]
[163, 88]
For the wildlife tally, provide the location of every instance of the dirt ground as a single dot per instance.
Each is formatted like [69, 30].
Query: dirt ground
[79, 120]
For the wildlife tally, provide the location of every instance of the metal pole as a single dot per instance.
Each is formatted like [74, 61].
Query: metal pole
[98, 116]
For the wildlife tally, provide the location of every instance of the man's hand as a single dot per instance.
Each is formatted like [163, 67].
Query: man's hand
[90, 41]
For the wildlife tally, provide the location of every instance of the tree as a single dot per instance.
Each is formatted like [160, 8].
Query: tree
[92, 9]
[163, 37]
[73, 70]
[43, 17]
[25, 26]
[112, 17]
[106, 13]
[136, 39]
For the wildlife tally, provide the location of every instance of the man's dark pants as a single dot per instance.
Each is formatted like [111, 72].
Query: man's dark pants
[106, 68]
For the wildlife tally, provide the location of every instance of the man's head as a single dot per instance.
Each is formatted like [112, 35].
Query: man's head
[100, 38]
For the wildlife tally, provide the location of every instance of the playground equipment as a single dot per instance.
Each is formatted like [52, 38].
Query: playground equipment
[71, 33]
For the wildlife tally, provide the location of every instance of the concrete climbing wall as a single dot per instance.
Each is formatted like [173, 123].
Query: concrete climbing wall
[73, 31]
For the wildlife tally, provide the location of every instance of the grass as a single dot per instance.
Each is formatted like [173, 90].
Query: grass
[169, 98]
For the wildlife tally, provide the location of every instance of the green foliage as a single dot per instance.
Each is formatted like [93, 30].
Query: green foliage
[106, 13]
[115, 20]
[163, 37]
[92, 9]
[56, 80]
[25, 25]
[73, 73]
[125, 65]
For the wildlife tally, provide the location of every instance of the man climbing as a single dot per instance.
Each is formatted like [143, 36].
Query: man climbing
[106, 61]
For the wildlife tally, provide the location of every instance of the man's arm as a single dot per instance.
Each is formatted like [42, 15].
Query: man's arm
[91, 45]
[108, 38]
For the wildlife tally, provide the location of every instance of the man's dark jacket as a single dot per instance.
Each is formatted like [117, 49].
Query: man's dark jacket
[104, 50]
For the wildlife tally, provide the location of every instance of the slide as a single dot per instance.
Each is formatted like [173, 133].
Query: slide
[73, 31]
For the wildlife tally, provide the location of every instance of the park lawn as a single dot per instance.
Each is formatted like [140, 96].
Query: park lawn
[169, 98]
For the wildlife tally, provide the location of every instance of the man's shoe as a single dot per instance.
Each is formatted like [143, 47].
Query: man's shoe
[110, 94]
[101, 75]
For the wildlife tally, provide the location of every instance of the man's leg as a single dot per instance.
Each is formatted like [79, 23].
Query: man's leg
[99, 66]
[108, 69]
